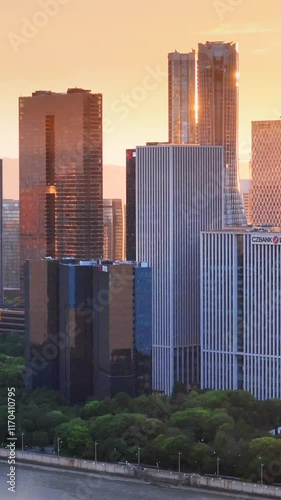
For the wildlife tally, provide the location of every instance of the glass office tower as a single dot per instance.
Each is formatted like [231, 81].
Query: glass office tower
[11, 243]
[218, 93]
[182, 98]
[61, 185]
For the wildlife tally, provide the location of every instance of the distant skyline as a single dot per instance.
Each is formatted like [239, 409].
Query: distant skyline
[123, 54]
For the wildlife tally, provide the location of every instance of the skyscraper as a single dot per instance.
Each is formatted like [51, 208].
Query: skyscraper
[266, 172]
[88, 327]
[1, 234]
[218, 92]
[61, 212]
[179, 192]
[42, 323]
[122, 329]
[11, 243]
[113, 229]
[131, 204]
[182, 98]
[241, 311]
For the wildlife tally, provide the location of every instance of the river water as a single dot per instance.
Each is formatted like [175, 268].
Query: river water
[34, 483]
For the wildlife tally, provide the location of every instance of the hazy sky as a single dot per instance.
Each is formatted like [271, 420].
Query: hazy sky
[120, 49]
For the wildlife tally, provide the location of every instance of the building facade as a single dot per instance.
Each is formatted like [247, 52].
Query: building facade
[266, 157]
[61, 182]
[123, 329]
[179, 192]
[88, 327]
[42, 323]
[113, 230]
[182, 98]
[76, 330]
[11, 242]
[218, 112]
[241, 311]
[131, 204]
[1, 235]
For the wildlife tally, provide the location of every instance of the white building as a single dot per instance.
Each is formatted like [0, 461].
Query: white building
[179, 192]
[241, 311]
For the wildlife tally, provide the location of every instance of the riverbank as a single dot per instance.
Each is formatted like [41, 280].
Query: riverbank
[129, 473]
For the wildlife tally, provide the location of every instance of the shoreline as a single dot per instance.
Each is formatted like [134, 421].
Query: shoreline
[133, 480]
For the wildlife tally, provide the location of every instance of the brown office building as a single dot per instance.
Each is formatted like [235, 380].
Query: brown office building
[61, 206]
[113, 235]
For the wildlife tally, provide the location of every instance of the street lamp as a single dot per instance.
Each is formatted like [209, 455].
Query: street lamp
[139, 456]
[96, 451]
[59, 441]
[180, 453]
[22, 434]
[218, 466]
[262, 466]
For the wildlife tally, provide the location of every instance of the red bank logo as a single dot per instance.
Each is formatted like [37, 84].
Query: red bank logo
[269, 240]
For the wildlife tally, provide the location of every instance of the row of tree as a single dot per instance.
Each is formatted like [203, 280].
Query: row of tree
[204, 429]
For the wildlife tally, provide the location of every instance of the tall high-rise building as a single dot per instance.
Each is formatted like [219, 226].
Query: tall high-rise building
[241, 311]
[42, 323]
[179, 192]
[61, 208]
[218, 92]
[247, 193]
[131, 204]
[11, 243]
[122, 329]
[113, 229]
[266, 172]
[1, 234]
[182, 98]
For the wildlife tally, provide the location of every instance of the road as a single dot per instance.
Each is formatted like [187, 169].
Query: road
[34, 483]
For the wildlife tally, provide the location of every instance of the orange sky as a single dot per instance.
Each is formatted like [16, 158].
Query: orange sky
[116, 47]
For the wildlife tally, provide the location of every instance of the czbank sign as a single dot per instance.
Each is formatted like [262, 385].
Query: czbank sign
[266, 239]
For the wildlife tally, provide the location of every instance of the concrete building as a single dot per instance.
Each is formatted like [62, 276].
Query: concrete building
[218, 113]
[182, 98]
[179, 192]
[1, 235]
[241, 311]
[131, 204]
[61, 182]
[247, 193]
[11, 243]
[266, 172]
[113, 230]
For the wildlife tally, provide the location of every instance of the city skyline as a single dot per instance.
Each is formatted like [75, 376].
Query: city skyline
[139, 69]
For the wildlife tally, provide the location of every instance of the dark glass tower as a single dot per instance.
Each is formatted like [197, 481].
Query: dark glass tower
[131, 204]
[61, 185]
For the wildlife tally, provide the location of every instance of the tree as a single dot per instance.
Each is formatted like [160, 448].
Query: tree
[41, 439]
[75, 437]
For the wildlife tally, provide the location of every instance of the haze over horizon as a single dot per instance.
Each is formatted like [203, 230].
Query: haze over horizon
[124, 60]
